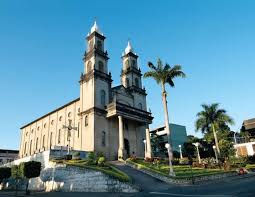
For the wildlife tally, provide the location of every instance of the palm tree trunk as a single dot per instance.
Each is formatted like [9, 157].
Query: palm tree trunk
[170, 152]
[216, 139]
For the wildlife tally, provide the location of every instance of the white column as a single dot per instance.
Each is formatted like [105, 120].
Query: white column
[121, 139]
[148, 144]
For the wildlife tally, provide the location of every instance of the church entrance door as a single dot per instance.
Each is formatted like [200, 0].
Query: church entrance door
[127, 148]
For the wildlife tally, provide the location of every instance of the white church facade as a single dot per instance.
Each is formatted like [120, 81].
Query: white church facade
[111, 120]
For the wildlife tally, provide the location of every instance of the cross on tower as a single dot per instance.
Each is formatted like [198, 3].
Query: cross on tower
[69, 129]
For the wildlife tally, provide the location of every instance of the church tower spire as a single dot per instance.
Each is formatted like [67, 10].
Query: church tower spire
[130, 74]
[95, 58]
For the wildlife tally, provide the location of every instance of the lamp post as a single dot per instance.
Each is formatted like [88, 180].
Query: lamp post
[180, 146]
[171, 172]
[198, 155]
[145, 148]
[216, 155]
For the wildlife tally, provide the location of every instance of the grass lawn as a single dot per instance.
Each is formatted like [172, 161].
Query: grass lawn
[181, 171]
[108, 169]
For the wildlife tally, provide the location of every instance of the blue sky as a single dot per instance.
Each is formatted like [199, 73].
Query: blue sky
[42, 43]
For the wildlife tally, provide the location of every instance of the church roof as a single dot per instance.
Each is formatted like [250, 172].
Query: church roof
[95, 28]
[71, 102]
[249, 124]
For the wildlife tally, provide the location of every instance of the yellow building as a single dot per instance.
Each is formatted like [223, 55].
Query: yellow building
[112, 120]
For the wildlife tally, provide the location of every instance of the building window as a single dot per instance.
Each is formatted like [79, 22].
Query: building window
[91, 45]
[43, 141]
[25, 148]
[52, 122]
[133, 63]
[30, 148]
[59, 136]
[32, 131]
[38, 128]
[89, 66]
[103, 138]
[127, 63]
[86, 121]
[60, 118]
[50, 140]
[101, 66]
[102, 93]
[99, 45]
[140, 106]
[44, 126]
[36, 144]
[136, 82]
[69, 114]
[79, 110]
[127, 82]
[78, 129]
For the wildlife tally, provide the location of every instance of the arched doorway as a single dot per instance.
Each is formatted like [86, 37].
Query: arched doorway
[127, 148]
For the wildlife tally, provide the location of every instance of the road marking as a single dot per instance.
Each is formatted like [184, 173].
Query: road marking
[172, 194]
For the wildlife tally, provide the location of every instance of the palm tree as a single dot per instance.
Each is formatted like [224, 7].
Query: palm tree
[164, 75]
[212, 118]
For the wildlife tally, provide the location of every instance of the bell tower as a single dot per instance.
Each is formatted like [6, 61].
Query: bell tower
[95, 58]
[130, 74]
[95, 86]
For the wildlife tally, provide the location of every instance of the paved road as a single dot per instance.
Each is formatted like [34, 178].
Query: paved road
[241, 186]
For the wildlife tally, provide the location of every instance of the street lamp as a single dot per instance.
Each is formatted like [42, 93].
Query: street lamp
[180, 146]
[145, 148]
[171, 172]
[216, 155]
[198, 155]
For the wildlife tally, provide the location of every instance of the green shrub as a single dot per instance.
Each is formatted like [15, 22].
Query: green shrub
[68, 157]
[5, 173]
[15, 172]
[76, 156]
[184, 161]
[30, 169]
[101, 161]
[91, 158]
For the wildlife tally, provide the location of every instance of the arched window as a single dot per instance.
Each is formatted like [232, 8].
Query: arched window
[50, 140]
[69, 114]
[103, 138]
[36, 144]
[133, 63]
[91, 45]
[140, 106]
[59, 136]
[102, 94]
[136, 82]
[30, 149]
[101, 66]
[127, 63]
[43, 141]
[86, 121]
[89, 66]
[78, 129]
[25, 148]
[127, 82]
[99, 45]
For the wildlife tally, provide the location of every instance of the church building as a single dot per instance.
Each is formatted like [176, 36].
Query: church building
[111, 120]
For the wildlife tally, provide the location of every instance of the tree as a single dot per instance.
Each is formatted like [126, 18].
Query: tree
[164, 75]
[210, 119]
[5, 173]
[15, 173]
[227, 149]
[30, 170]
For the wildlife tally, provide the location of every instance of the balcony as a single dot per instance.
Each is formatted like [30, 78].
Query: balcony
[118, 109]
